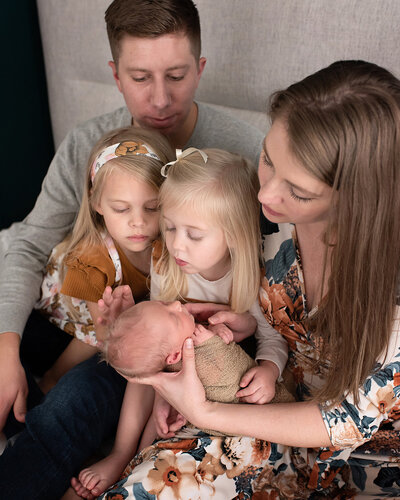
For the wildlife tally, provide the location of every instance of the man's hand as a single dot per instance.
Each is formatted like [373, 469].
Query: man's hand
[113, 303]
[14, 388]
[259, 383]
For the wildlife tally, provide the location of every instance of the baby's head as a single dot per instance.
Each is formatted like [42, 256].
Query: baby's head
[148, 337]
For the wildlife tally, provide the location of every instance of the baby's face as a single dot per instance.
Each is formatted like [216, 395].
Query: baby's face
[172, 318]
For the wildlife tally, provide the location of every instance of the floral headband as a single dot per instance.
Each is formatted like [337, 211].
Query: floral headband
[125, 148]
[181, 154]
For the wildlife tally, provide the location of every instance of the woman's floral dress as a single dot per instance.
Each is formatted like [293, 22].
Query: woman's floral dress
[363, 461]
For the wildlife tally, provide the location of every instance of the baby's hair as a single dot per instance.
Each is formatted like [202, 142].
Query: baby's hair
[89, 224]
[223, 190]
[144, 346]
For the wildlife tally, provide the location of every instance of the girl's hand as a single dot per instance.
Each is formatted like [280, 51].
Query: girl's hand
[222, 331]
[113, 303]
[259, 383]
[203, 310]
[167, 420]
[241, 325]
[183, 390]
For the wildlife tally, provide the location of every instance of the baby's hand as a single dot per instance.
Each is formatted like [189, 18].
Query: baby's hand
[113, 303]
[222, 331]
[259, 383]
[201, 334]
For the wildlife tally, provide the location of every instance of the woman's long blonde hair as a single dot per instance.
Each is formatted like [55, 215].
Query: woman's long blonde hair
[343, 124]
[89, 225]
[223, 190]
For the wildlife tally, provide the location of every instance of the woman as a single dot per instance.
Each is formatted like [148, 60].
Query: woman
[329, 167]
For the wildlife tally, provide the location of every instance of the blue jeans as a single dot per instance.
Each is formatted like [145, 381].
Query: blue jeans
[62, 432]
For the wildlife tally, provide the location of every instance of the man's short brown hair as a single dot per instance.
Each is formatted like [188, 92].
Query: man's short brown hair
[151, 19]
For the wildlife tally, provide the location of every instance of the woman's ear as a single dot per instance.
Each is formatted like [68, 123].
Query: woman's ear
[174, 357]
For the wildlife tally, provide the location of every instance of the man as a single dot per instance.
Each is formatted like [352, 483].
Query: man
[157, 67]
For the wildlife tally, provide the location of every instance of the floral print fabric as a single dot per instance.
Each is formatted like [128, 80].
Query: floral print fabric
[70, 313]
[201, 466]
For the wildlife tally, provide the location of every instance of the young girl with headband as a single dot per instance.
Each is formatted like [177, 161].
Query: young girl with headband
[110, 243]
[210, 252]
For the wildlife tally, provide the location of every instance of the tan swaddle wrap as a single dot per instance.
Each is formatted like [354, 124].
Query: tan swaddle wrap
[220, 368]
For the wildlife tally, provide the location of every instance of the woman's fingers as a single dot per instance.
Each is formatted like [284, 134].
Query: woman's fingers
[188, 362]
[183, 390]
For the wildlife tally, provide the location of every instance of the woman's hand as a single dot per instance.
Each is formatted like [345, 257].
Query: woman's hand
[279, 423]
[183, 390]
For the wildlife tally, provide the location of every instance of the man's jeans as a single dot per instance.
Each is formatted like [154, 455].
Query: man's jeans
[62, 432]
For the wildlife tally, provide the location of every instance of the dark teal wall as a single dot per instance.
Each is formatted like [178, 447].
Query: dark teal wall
[26, 142]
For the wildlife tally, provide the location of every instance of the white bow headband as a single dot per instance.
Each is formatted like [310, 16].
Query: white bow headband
[181, 154]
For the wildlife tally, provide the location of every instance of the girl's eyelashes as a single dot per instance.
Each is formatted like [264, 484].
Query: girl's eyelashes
[150, 209]
[298, 198]
[190, 236]
[194, 238]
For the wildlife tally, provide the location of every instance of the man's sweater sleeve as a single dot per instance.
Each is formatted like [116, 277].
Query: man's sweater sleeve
[53, 215]
[34, 237]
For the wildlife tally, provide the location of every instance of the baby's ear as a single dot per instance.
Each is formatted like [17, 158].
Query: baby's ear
[173, 357]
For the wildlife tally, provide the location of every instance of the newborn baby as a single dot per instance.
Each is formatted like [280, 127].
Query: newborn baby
[148, 338]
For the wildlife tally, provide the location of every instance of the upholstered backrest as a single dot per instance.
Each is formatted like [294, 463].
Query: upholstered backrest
[253, 47]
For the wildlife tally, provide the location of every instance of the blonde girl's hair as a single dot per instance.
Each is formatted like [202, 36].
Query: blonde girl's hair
[343, 124]
[224, 191]
[89, 225]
